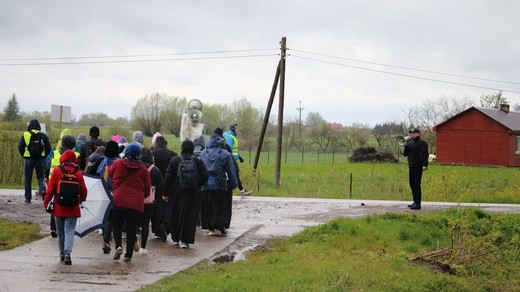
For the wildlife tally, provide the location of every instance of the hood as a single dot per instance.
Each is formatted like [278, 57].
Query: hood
[161, 142]
[154, 137]
[68, 156]
[64, 133]
[137, 137]
[34, 125]
[82, 138]
[215, 141]
[131, 163]
[146, 155]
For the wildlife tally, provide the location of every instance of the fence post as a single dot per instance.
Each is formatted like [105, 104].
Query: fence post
[350, 186]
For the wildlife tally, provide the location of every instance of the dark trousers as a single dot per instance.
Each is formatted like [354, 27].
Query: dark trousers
[29, 166]
[53, 223]
[145, 223]
[128, 218]
[415, 176]
[219, 202]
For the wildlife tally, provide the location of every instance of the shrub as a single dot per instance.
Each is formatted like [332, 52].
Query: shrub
[369, 154]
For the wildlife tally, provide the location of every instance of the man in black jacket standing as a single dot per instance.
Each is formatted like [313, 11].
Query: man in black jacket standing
[416, 150]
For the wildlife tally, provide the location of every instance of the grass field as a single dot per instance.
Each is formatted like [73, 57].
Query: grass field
[334, 177]
[455, 250]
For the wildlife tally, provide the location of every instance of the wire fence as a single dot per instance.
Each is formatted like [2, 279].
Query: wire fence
[308, 154]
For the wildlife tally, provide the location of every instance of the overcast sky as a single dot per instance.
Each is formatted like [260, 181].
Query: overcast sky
[347, 59]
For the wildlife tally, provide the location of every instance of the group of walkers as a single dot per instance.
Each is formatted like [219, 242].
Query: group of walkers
[151, 187]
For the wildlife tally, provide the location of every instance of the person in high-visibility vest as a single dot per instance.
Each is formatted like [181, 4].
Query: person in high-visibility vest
[36, 162]
[232, 141]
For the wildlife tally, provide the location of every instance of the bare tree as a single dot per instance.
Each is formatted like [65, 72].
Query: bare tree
[493, 100]
[146, 114]
[173, 109]
[360, 133]
[431, 112]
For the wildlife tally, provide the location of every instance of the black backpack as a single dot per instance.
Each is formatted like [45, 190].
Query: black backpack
[68, 188]
[36, 145]
[188, 174]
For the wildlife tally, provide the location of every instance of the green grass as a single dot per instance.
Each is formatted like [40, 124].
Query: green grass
[374, 254]
[378, 181]
[16, 234]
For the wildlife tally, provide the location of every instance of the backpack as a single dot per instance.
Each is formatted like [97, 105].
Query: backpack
[188, 174]
[68, 188]
[36, 145]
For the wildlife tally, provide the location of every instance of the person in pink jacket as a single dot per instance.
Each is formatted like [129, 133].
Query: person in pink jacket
[65, 216]
[130, 186]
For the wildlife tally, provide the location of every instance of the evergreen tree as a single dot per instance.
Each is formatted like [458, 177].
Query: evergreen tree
[12, 110]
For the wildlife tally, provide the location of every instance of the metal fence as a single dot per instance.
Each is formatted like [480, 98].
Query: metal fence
[308, 154]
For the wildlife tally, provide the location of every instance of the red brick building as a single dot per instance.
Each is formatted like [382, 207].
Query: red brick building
[480, 136]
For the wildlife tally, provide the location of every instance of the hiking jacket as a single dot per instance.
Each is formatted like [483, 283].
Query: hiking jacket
[232, 141]
[34, 126]
[219, 164]
[417, 153]
[130, 183]
[69, 161]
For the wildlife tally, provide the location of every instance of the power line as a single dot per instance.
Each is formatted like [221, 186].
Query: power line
[405, 75]
[136, 61]
[409, 68]
[134, 55]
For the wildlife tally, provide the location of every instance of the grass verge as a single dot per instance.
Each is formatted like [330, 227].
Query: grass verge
[454, 250]
[15, 234]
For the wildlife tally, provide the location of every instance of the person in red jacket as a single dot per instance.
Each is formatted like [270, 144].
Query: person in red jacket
[130, 186]
[65, 216]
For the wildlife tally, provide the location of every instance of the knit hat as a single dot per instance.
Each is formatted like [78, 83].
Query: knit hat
[133, 151]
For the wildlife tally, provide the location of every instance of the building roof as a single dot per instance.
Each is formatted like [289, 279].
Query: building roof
[510, 120]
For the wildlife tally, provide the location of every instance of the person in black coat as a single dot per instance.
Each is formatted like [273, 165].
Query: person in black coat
[150, 203]
[416, 150]
[90, 147]
[184, 203]
[162, 155]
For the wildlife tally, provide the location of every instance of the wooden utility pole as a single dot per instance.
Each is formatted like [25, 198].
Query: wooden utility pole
[283, 49]
[266, 117]
[278, 78]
